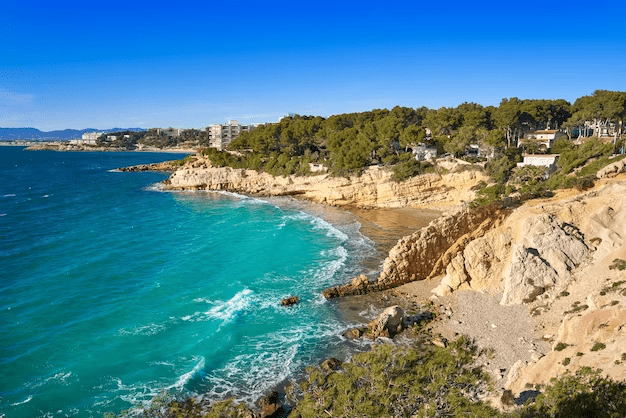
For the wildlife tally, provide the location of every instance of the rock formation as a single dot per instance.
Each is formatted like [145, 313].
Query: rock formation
[426, 252]
[374, 188]
[389, 323]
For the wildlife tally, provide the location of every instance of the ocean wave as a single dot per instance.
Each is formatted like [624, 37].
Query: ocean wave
[223, 310]
[320, 224]
[30, 398]
[155, 187]
[184, 378]
[274, 358]
[150, 329]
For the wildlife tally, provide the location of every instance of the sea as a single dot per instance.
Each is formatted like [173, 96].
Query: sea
[114, 291]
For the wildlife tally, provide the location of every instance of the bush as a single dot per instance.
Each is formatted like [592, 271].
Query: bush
[560, 347]
[395, 381]
[410, 168]
[585, 394]
[598, 347]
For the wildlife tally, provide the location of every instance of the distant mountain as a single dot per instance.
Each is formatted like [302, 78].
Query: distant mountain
[36, 134]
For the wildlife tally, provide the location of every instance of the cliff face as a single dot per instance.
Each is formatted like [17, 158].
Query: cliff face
[425, 252]
[374, 188]
[560, 258]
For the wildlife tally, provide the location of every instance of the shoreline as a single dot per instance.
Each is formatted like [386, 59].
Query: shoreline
[60, 146]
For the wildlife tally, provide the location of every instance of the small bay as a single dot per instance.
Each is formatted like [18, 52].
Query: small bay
[113, 292]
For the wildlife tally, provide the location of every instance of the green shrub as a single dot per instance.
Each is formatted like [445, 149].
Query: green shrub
[560, 347]
[396, 381]
[584, 394]
[500, 169]
[410, 168]
[598, 347]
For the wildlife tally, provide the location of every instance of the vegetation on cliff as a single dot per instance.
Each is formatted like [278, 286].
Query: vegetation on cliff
[424, 381]
[347, 143]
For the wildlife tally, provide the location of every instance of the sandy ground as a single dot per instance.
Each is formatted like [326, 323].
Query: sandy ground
[507, 332]
[386, 226]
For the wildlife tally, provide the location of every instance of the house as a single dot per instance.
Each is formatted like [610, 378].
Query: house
[317, 168]
[171, 132]
[540, 160]
[544, 139]
[473, 150]
[423, 152]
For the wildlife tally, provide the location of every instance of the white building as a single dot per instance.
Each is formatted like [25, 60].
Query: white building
[541, 160]
[423, 152]
[222, 135]
[170, 131]
[88, 138]
[543, 138]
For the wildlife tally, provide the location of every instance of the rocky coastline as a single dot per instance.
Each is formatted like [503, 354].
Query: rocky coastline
[374, 188]
[65, 146]
[541, 284]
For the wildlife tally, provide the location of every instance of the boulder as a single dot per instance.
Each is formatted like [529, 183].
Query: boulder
[270, 405]
[389, 322]
[355, 333]
[290, 301]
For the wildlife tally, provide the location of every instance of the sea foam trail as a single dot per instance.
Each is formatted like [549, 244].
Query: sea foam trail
[223, 310]
[183, 379]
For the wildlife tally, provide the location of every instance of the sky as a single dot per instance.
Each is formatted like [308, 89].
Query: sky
[189, 64]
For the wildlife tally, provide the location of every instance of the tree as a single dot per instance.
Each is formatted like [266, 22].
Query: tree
[506, 117]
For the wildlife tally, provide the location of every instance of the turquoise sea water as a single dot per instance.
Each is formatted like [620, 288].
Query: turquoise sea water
[112, 291]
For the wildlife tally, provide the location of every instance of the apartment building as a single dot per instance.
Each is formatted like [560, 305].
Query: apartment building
[222, 135]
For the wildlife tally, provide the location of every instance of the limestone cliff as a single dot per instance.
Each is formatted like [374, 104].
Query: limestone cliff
[418, 255]
[560, 258]
[372, 189]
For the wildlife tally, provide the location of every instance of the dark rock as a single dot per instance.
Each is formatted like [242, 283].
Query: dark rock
[330, 364]
[290, 301]
[355, 333]
[270, 405]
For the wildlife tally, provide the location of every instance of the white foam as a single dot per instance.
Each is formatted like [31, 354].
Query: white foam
[223, 310]
[318, 223]
[227, 310]
[10, 195]
[3, 214]
[275, 357]
[183, 379]
[30, 397]
[156, 187]
[149, 329]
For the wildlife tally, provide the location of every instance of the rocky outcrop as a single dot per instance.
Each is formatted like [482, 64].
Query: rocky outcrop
[523, 259]
[612, 169]
[426, 252]
[389, 323]
[539, 248]
[292, 300]
[374, 188]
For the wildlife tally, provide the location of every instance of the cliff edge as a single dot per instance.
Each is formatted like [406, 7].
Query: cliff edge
[372, 189]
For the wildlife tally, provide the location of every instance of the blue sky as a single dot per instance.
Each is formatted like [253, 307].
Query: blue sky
[189, 64]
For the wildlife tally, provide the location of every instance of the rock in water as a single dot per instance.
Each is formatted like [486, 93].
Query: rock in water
[290, 301]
